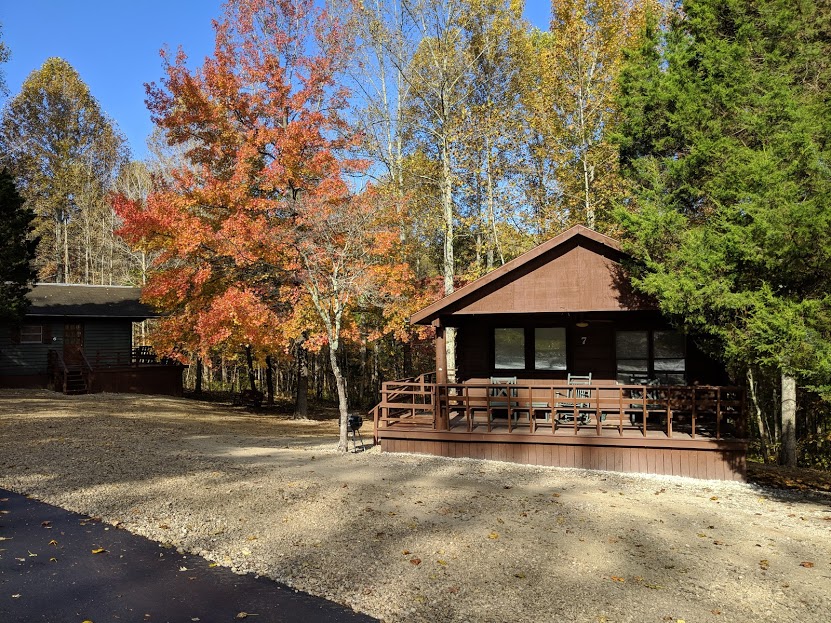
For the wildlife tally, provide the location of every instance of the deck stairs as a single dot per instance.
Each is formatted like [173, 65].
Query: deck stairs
[76, 382]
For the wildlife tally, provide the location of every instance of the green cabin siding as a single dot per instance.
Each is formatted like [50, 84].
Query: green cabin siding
[17, 359]
[106, 343]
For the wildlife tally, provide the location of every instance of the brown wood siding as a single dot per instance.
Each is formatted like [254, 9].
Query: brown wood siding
[579, 276]
[713, 463]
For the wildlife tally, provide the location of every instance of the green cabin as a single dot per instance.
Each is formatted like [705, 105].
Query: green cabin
[79, 339]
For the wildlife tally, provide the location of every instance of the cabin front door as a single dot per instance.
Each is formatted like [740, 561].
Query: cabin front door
[593, 350]
[73, 343]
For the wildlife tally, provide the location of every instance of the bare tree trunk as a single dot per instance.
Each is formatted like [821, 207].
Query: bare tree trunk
[788, 457]
[491, 202]
[301, 355]
[449, 262]
[269, 379]
[198, 384]
[343, 408]
[249, 359]
[757, 411]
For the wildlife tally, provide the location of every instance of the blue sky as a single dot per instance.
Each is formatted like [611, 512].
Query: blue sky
[114, 45]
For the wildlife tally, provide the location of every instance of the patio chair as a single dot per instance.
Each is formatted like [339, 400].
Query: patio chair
[570, 409]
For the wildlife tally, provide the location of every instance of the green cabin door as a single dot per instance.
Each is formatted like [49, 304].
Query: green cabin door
[73, 343]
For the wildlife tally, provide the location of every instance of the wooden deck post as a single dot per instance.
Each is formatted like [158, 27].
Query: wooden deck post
[441, 355]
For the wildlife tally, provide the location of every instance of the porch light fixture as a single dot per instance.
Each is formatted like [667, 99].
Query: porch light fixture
[582, 324]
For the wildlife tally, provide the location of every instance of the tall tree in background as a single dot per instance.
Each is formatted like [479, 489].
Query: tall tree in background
[64, 154]
[569, 91]
[5, 54]
[17, 250]
[727, 142]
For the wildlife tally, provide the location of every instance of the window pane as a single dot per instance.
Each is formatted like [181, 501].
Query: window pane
[31, 334]
[668, 345]
[550, 348]
[509, 349]
[670, 365]
[633, 365]
[632, 344]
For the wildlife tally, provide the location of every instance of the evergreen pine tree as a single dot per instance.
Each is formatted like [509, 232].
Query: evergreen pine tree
[17, 250]
[727, 142]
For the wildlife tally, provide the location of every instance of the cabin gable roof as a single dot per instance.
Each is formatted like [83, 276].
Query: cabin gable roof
[579, 270]
[87, 301]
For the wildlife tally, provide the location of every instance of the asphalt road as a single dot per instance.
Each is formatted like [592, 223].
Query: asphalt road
[49, 573]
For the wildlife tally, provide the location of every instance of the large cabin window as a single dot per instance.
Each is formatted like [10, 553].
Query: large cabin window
[550, 348]
[644, 356]
[509, 349]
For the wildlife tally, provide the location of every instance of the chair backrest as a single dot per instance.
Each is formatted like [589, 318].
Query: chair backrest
[503, 380]
[580, 379]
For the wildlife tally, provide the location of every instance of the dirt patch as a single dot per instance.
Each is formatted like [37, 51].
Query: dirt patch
[798, 479]
[404, 537]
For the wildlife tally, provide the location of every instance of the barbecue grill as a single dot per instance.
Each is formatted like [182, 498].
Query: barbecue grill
[353, 425]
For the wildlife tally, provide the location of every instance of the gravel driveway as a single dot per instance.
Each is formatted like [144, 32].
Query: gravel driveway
[416, 538]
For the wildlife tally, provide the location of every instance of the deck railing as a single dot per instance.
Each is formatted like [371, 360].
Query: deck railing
[694, 411]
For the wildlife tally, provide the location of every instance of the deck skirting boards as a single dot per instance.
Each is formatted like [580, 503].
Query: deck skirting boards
[712, 461]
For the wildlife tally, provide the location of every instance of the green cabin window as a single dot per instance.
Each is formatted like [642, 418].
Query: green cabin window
[550, 348]
[31, 334]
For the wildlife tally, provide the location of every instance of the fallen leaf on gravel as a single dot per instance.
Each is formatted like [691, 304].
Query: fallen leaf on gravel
[520, 575]
[807, 564]
[764, 565]
[718, 542]
[716, 611]
[415, 561]
[444, 563]
[212, 565]
[53, 559]
[555, 495]
[31, 555]
[15, 596]
[493, 535]
[99, 550]
[20, 559]
[618, 579]
[53, 542]
[714, 498]
[701, 535]
[405, 552]
[5, 538]
[86, 621]
[46, 524]
[245, 615]
[183, 569]
[4, 512]
[654, 587]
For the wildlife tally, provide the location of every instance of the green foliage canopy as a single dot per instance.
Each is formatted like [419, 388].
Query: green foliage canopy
[726, 139]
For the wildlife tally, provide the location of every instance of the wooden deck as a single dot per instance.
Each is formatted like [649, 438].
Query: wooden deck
[696, 431]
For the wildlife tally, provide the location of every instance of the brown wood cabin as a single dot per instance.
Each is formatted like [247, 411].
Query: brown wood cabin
[78, 339]
[561, 363]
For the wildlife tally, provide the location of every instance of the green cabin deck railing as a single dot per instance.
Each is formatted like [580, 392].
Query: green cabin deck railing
[601, 409]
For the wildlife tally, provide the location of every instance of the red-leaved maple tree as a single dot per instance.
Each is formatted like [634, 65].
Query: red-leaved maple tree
[260, 222]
